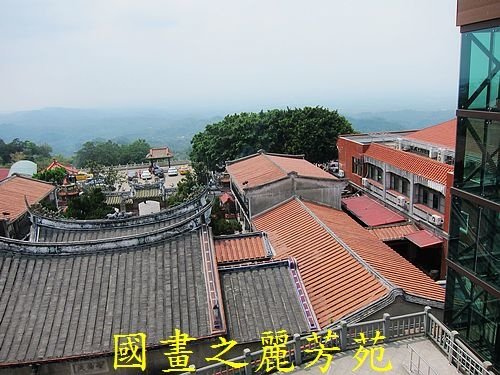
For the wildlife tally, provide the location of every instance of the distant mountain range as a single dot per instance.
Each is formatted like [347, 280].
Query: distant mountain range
[398, 120]
[66, 129]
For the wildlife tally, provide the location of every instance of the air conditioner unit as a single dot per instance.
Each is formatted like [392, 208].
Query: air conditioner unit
[433, 153]
[435, 219]
[364, 182]
[341, 173]
[402, 201]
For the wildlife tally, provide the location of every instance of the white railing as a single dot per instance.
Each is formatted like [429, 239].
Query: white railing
[418, 365]
[393, 328]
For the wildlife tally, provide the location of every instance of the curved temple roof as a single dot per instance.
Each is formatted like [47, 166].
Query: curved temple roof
[56, 307]
[44, 233]
[201, 198]
[109, 244]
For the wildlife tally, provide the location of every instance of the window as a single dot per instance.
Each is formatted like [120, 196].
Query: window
[473, 312]
[479, 74]
[435, 201]
[430, 198]
[479, 171]
[425, 196]
[404, 186]
[464, 222]
[357, 166]
[375, 173]
[399, 184]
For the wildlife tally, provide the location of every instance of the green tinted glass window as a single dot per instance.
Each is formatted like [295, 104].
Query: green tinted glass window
[478, 172]
[480, 70]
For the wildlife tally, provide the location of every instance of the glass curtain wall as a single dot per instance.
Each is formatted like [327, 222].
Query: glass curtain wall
[473, 279]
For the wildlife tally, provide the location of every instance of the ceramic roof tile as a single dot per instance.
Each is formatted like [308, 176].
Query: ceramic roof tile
[55, 164]
[443, 134]
[337, 284]
[240, 248]
[378, 255]
[159, 153]
[15, 188]
[64, 230]
[263, 297]
[419, 165]
[261, 169]
[55, 306]
[4, 172]
[394, 232]
[301, 166]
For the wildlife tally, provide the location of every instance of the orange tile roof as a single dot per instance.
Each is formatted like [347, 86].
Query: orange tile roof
[55, 164]
[419, 165]
[337, 284]
[370, 212]
[378, 255]
[226, 197]
[159, 153]
[15, 188]
[4, 172]
[424, 238]
[443, 134]
[260, 169]
[394, 232]
[240, 248]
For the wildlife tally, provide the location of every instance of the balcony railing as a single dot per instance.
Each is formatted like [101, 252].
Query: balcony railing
[393, 328]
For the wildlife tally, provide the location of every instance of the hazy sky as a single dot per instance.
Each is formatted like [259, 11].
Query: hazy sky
[228, 54]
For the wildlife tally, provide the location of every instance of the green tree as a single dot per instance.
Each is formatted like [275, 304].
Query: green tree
[219, 223]
[108, 175]
[89, 205]
[134, 152]
[55, 175]
[186, 188]
[312, 131]
[111, 153]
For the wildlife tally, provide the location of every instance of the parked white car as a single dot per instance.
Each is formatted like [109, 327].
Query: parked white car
[146, 175]
[172, 171]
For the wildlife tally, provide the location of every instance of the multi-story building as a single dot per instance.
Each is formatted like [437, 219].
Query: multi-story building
[409, 172]
[473, 283]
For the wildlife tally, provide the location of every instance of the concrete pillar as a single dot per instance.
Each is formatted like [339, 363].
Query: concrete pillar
[248, 360]
[412, 193]
[386, 325]
[297, 349]
[343, 335]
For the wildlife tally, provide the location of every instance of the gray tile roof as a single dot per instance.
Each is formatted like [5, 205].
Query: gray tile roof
[56, 306]
[57, 234]
[148, 193]
[46, 229]
[197, 201]
[264, 297]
